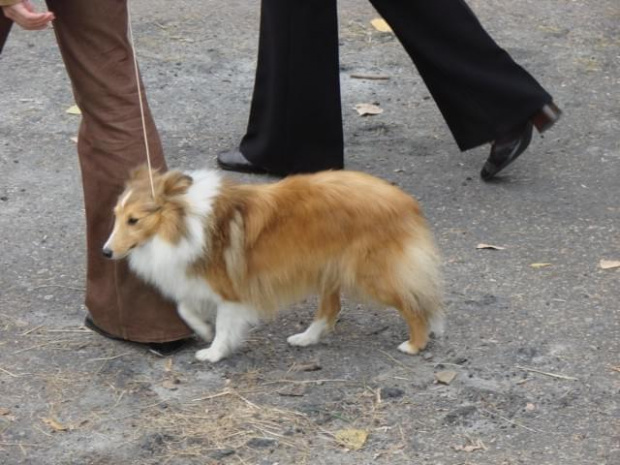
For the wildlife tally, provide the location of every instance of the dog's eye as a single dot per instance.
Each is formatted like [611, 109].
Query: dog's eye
[132, 221]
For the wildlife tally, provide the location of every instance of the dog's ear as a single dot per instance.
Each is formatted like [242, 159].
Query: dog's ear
[175, 183]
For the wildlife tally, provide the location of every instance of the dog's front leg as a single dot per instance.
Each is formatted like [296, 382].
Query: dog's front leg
[198, 315]
[231, 326]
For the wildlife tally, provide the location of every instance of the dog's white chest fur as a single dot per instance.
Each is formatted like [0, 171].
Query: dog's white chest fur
[166, 265]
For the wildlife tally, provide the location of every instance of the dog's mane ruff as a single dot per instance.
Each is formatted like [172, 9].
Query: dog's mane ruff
[224, 264]
[164, 263]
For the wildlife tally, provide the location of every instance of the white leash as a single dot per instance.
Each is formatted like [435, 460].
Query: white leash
[135, 65]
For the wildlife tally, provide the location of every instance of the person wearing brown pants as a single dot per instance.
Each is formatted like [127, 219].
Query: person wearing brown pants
[92, 37]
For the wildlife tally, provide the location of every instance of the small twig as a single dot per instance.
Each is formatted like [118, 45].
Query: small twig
[81, 289]
[251, 404]
[396, 361]
[25, 333]
[9, 317]
[82, 331]
[45, 344]
[105, 359]
[118, 401]
[370, 77]
[16, 444]
[219, 394]
[552, 375]
[282, 438]
[241, 459]
[38, 428]
[307, 381]
[13, 375]
[238, 433]
[146, 407]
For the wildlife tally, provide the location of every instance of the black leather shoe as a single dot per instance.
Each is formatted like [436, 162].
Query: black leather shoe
[235, 161]
[162, 349]
[507, 148]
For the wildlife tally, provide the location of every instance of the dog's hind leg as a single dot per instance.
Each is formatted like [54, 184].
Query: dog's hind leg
[196, 317]
[413, 286]
[231, 326]
[324, 320]
[387, 290]
[418, 329]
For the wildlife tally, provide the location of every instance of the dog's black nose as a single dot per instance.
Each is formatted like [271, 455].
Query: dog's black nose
[107, 253]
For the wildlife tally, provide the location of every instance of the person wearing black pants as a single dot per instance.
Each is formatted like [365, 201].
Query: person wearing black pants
[295, 123]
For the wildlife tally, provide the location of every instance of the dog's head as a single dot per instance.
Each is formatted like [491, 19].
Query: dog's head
[139, 215]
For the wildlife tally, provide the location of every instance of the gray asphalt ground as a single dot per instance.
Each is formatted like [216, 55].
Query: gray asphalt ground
[534, 348]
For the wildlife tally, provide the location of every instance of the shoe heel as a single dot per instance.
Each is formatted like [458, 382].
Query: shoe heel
[546, 117]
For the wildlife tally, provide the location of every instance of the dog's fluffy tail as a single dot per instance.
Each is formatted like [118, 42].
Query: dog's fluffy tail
[422, 283]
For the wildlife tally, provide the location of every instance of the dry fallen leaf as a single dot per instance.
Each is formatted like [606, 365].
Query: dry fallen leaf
[313, 365]
[364, 109]
[609, 264]
[6, 413]
[353, 439]
[474, 445]
[74, 110]
[540, 265]
[55, 425]
[490, 247]
[380, 25]
[445, 377]
[182, 39]
[168, 365]
[171, 384]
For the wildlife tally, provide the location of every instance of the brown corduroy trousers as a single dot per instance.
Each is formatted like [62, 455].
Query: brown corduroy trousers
[92, 36]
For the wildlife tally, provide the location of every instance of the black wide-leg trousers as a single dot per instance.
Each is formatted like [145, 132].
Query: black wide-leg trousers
[295, 122]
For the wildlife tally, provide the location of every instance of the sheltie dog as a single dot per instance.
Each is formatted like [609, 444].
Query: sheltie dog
[231, 254]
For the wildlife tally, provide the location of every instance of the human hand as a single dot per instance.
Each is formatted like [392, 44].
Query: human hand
[23, 14]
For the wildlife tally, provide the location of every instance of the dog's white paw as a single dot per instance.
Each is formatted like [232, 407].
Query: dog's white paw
[210, 355]
[310, 336]
[303, 339]
[407, 348]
